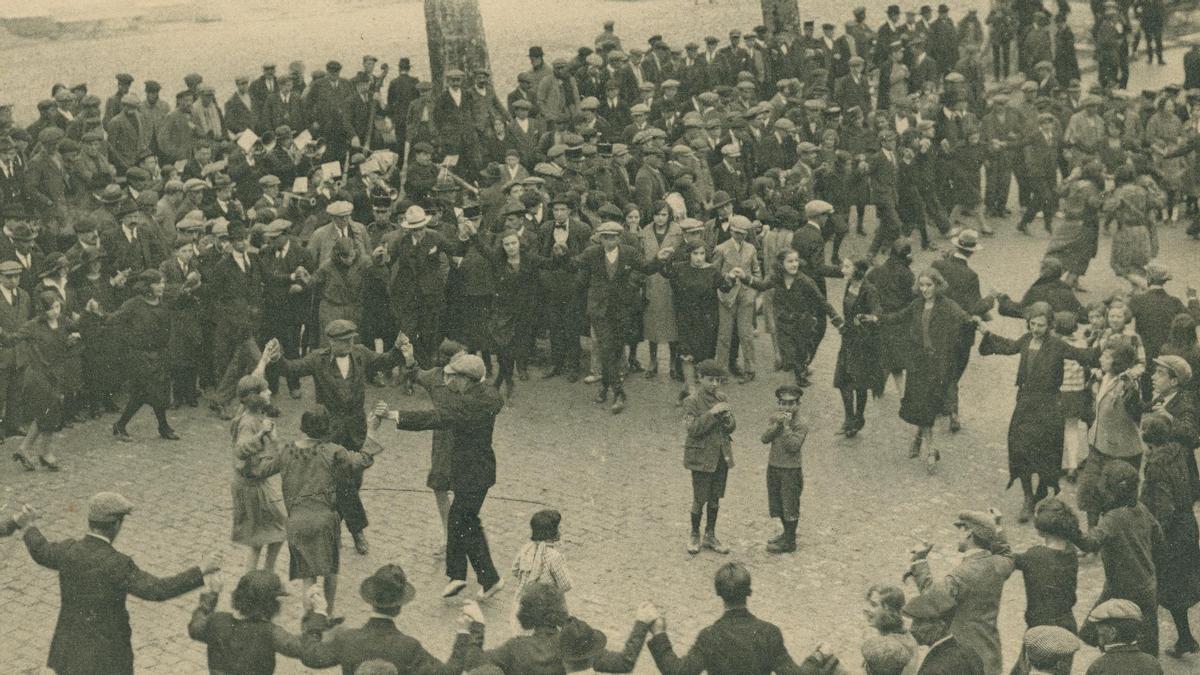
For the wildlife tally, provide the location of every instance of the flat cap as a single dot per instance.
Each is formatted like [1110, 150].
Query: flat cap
[980, 524]
[124, 78]
[932, 604]
[640, 109]
[670, 84]
[12, 268]
[740, 223]
[339, 209]
[469, 366]
[268, 180]
[589, 103]
[817, 207]
[131, 99]
[609, 227]
[690, 225]
[1116, 609]
[731, 150]
[805, 146]
[1177, 365]
[173, 185]
[194, 184]
[341, 329]
[1043, 643]
[108, 507]
[856, 61]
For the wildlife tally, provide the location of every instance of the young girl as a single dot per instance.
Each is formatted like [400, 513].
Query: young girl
[257, 518]
[1074, 396]
[1051, 568]
[798, 306]
[884, 603]
[539, 561]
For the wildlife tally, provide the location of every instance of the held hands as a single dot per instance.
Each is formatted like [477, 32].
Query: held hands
[211, 564]
[660, 623]
[73, 339]
[25, 517]
[665, 253]
[406, 348]
[215, 583]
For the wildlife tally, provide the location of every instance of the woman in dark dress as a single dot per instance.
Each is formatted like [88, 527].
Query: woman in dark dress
[1051, 571]
[1167, 492]
[895, 283]
[515, 308]
[143, 328]
[858, 368]
[933, 327]
[101, 374]
[694, 286]
[799, 305]
[1076, 235]
[1035, 432]
[44, 352]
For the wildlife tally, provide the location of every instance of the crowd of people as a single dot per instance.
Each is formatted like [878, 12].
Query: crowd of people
[374, 231]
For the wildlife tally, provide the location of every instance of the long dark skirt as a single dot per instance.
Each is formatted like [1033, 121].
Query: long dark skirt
[925, 389]
[697, 334]
[795, 341]
[1035, 438]
[1178, 567]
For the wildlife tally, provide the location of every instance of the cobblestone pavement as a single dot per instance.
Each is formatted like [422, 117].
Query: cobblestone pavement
[622, 491]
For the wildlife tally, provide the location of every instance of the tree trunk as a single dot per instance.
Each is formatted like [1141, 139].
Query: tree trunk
[781, 15]
[454, 30]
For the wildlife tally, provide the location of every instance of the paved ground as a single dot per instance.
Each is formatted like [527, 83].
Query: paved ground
[618, 481]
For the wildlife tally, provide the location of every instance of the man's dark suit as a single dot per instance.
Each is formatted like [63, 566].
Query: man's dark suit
[773, 153]
[1154, 310]
[951, 658]
[239, 116]
[883, 174]
[284, 312]
[234, 293]
[732, 180]
[418, 289]
[377, 639]
[11, 185]
[92, 636]
[12, 316]
[849, 94]
[143, 253]
[736, 644]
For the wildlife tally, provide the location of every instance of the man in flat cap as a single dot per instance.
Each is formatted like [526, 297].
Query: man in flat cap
[932, 614]
[340, 370]
[1048, 650]
[240, 111]
[973, 587]
[885, 655]
[264, 86]
[93, 632]
[112, 105]
[15, 310]
[1117, 624]
[128, 133]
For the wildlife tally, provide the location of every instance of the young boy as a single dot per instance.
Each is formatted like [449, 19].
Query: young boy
[708, 451]
[785, 476]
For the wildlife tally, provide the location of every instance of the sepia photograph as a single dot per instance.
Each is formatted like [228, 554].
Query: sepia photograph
[541, 337]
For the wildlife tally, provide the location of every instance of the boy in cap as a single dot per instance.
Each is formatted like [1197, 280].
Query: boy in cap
[1048, 650]
[93, 632]
[785, 474]
[1117, 624]
[708, 452]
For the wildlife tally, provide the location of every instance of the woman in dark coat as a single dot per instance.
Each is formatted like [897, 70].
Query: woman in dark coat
[1167, 492]
[799, 305]
[515, 310]
[1049, 288]
[933, 325]
[858, 367]
[143, 328]
[1181, 342]
[101, 372]
[694, 286]
[1035, 432]
[895, 283]
[45, 354]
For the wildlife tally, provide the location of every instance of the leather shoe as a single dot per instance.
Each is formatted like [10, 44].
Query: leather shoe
[713, 544]
[121, 435]
[168, 434]
[1181, 648]
[693, 546]
[360, 543]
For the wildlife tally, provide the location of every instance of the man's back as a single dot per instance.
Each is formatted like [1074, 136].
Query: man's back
[736, 644]
[93, 634]
[951, 658]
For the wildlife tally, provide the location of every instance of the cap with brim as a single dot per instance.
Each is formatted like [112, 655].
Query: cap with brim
[817, 207]
[789, 392]
[731, 150]
[341, 329]
[194, 184]
[1176, 365]
[414, 218]
[108, 507]
[690, 225]
[1044, 643]
[932, 604]
[980, 524]
[720, 198]
[339, 209]
[609, 228]
[739, 223]
[11, 268]
[967, 240]
[1117, 609]
[276, 227]
[387, 588]
[469, 366]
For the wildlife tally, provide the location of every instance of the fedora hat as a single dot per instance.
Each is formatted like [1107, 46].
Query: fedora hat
[966, 240]
[111, 194]
[415, 218]
[388, 588]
